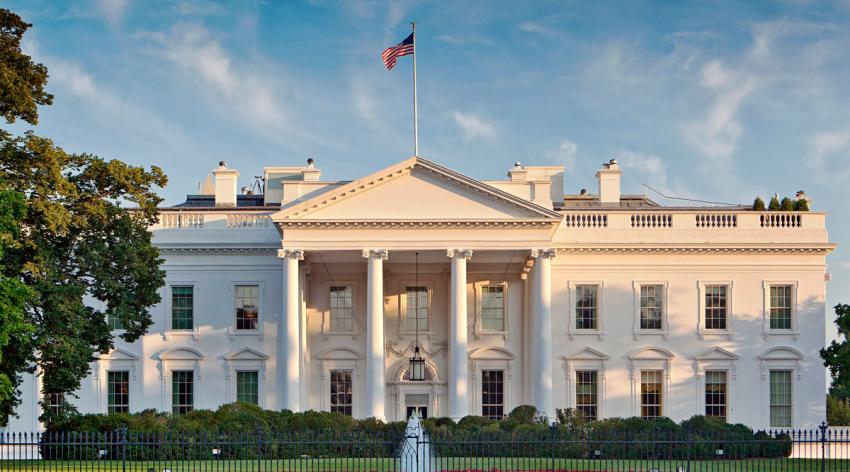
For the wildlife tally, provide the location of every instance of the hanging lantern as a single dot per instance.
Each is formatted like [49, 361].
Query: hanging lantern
[417, 367]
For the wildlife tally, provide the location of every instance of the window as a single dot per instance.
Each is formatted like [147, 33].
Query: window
[651, 398]
[587, 400]
[118, 391]
[341, 392]
[248, 387]
[182, 391]
[716, 306]
[587, 306]
[493, 308]
[114, 322]
[341, 309]
[416, 315]
[55, 402]
[651, 306]
[247, 311]
[493, 394]
[715, 393]
[780, 398]
[182, 307]
[780, 306]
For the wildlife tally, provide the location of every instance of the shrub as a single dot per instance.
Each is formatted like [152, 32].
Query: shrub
[774, 204]
[801, 205]
[837, 411]
[758, 204]
[787, 204]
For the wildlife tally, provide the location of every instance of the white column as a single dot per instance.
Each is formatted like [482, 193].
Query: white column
[290, 332]
[458, 351]
[375, 366]
[541, 292]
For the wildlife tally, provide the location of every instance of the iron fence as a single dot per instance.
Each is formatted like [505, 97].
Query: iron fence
[823, 449]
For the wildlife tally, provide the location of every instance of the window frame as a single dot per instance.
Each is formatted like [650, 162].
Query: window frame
[662, 393]
[258, 384]
[599, 331]
[479, 330]
[503, 393]
[232, 331]
[402, 309]
[171, 381]
[650, 358]
[168, 330]
[793, 394]
[246, 359]
[781, 358]
[585, 359]
[794, 331]
[664, 331]
[340, 358]
[726, 396]
[350, 406]
[702, 330]
[717, 358]
[326, 308]
[109, 394]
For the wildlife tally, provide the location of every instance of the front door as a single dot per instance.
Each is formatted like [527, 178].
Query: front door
[416, 403]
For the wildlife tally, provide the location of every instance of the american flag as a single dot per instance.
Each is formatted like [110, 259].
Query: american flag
[392, 53]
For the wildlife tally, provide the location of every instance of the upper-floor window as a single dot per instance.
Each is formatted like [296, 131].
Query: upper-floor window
[587, 307]
[716, 307]
[341, 308]
[781, 306]
[247, 307]
[341, 391]
[416, 304]
[716, 393]
[114, 322]
[651, 307]
[118, 391]
[587, 393]
[493, 308]
[182, 307]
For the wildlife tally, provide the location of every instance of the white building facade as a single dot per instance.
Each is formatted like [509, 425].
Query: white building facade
[313, 295]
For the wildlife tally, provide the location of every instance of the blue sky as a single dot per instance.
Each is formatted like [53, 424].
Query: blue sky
[717, 101]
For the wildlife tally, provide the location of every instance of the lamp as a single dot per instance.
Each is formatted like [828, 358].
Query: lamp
[416, 371]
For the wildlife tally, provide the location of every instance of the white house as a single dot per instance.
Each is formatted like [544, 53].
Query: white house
[313, 294]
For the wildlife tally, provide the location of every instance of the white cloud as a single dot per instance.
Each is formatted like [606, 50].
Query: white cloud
[112, 10]
[473, 127]
[651, 169]
[830, 142]
[717, 134]
[566, 154]
[537, 28]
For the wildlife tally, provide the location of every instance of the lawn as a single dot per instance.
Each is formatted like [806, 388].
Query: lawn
[441, 464]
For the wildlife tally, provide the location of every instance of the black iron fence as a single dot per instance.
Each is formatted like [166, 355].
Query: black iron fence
[823, 449]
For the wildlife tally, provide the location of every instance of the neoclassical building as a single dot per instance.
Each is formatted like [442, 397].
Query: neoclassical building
[311, 294]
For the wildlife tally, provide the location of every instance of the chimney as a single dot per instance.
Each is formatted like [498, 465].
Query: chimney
[609, 183]
[225, 185]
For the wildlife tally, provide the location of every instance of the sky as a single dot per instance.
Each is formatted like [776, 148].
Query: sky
[719, 101]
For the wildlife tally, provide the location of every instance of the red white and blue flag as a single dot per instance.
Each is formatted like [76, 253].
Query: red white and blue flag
[392, 53]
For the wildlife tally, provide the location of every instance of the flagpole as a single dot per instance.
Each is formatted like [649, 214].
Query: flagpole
[415, 114]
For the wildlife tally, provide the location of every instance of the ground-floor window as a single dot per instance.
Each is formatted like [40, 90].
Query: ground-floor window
[651, 397]
[341, 392]
[182, 391]
[780, 398]
[55, 402]
[715, 393]
[118, 391]
[493, 394]
[248, 387]
[587, 393]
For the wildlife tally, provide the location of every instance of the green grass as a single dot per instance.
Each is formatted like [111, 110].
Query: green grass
[455, 464]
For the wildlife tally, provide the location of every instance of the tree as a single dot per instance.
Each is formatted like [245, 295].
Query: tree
[774, 204]
[836, 356]
[758, 204]
[787, 204]
[801, 205]
[83, 255]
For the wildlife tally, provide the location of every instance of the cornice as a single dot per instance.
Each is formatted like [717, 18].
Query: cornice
[801, 249]
[260, 251]
[417, 224]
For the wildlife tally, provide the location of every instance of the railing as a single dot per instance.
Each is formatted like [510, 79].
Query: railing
[551, 449]
[213, 220]
[716, 220]
[781, 220]
[674, 221]
[652, 220]
[248, 220]
[586, 220]
[182, 220]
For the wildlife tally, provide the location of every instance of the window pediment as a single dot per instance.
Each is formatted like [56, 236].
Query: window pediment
[246, 354]
[340, 354]
[119, 354]
[182, 354]
[781, 353]
[587, 354]
[716, 354]
[491, 353]
[651, 353]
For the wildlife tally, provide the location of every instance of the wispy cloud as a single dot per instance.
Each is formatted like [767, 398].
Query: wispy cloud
[829, 142]
[536, 27]
[565, 154]
[649, 168]
[473, 126]
[113, 11]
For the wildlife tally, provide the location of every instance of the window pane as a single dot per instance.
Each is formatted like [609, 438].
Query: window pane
[247, 310]
[716, 306]
[247, 387]
[651, 397]
[780, 399]
[587, 307]
[587, 393]
[493, 394]
[55, 402]
[493, 308]
[651, 304]
[417, 309]
[341, 392]
[182, 391]
[715, 393]
[780, 306]
[182, 307]
[118, 391]
[341, 309]
[114, 322]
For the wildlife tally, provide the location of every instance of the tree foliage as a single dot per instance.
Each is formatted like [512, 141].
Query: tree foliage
[81, 252]
[836, 356]
[787, 204]
[774, 204]
[801, 205]
[758, 204]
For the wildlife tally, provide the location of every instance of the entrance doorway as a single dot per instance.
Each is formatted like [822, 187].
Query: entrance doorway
[416, 403]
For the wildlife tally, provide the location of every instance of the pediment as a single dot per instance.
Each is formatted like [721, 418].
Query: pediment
[781, 353]
[491, 353]
[182, 354]
[340, 354]
[246, 354]
[415, 190]
[587, 354]
[716, 354]
[651, 353]
[119, 354]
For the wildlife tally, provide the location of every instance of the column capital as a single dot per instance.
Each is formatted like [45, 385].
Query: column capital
[459, 253]
[290, 254]
[545, 252]
[382, 254]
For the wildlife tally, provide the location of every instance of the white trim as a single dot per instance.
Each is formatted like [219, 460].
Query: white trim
[325, 309]
[403, 332]
[341, 359]
[716, 358]
[664, 332]
[702, 331]
[167, 330]
[478, 330]
[247, 359]
[780, 358]
[232, 332]
[117, 360]
[572, 332]
[794, 332]
[650, 358]
[587, 359]
[491, 358]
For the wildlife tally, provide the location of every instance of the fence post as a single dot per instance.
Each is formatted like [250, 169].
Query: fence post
[123, 432]
[688, 445]
[823, 432]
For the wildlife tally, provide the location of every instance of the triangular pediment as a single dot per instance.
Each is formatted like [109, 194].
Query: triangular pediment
[119, 354]
[416, 190]
[246, 354]
[587, 354]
